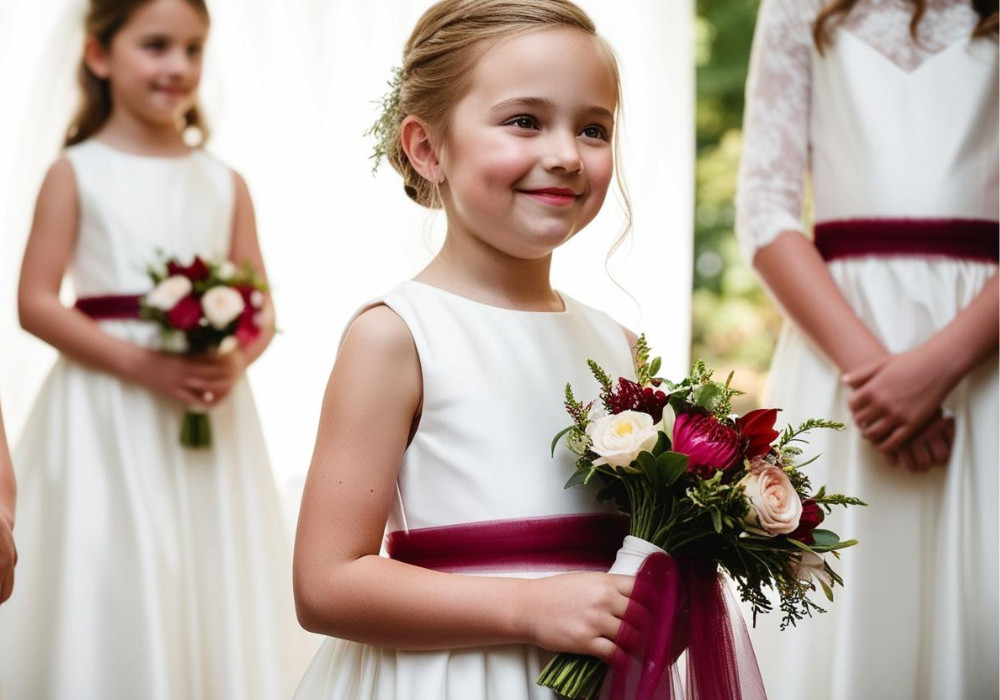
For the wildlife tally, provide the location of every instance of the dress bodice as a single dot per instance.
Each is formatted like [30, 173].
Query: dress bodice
[132, 206]
[493, 388]
[887, 127]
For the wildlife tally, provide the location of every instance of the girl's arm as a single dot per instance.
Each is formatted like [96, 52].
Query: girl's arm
[50, 244]
[244, 248]
[344, 588]
[8, 497]
[897, 395]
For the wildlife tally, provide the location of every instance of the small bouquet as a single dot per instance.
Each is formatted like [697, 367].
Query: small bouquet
[708, 488]
[202, 308]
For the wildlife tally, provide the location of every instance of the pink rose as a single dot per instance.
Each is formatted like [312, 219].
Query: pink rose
[709, 445]
[775, 507]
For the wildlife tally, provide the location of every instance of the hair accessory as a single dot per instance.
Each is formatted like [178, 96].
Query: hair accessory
[386, 126]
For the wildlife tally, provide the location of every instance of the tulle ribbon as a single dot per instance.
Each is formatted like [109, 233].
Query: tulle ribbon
[682, 605]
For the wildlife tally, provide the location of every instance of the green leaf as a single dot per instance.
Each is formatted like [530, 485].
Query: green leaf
[580, 477]
[672, 466]
[654, 366]
[827, 591]
[662, 444]
[555, 440]
[716, 520]
[825, 538]
[706, 395]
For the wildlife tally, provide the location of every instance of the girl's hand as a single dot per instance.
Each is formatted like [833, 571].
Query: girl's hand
[195, 381]
[930, 447]
[8, 556]
[577, 613]
[896, 396]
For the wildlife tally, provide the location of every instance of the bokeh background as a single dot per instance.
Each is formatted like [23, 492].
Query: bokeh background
[734, 326]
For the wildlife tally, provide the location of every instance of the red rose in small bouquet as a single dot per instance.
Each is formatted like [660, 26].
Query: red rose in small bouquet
[714, 492]
[204, 307]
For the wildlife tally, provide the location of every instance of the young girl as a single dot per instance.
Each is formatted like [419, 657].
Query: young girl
[891, 107]
[8, 495]
[147, 570]
[447, 391]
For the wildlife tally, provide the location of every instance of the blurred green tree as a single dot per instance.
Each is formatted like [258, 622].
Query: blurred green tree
[734, 324]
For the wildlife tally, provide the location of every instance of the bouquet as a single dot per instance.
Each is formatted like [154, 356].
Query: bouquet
[203, 308]
[707, 487]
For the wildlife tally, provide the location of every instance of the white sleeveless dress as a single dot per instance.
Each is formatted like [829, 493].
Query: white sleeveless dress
[886, 128]
[146, 570]
[493, 383]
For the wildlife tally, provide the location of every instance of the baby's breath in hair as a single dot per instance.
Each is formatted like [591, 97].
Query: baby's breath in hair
[386, 126]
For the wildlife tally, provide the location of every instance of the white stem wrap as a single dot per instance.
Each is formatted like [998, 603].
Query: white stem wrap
[633, 552]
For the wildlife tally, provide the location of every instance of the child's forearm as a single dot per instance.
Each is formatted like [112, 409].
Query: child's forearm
[797, 276]
[76, 336]
[383, 602]
[972, 335]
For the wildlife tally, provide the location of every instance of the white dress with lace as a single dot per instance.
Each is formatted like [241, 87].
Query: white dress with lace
[885, 127]
[146, 570]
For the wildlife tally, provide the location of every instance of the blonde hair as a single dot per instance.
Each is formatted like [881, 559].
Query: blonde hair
[105, 18]
[437, 66]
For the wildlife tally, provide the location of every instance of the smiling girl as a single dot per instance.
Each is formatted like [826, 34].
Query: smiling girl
[446, 391]
[147, 570]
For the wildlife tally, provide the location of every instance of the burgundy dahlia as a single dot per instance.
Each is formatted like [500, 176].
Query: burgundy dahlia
[630, 396]
[710, 445]
[186, 313]
[196, 271]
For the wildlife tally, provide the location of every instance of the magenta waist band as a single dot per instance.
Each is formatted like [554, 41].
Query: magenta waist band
[122, 306]
[963, 239]
[560, 543]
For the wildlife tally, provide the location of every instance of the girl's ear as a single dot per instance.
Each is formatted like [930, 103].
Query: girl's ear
[95, 56]
[420, 150]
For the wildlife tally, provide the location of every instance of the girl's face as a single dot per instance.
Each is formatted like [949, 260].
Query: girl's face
[528, 154]
[154, 61]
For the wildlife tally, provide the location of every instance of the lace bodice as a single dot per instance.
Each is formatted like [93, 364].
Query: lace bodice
[788, 80]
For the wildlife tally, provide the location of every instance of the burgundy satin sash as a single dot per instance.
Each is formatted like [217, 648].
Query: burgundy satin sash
[107, 308]
[586, 542]
[963, 239]
[679, 605]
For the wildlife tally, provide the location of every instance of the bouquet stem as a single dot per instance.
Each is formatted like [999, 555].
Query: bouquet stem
[196, 429]
[574, 676]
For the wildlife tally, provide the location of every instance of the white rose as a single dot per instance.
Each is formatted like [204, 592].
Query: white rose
[619, 439]
[256, 299]
[775, 507]
[809, 566]
[228, 344]
[222, 305]
[168, 292]
[226, 270]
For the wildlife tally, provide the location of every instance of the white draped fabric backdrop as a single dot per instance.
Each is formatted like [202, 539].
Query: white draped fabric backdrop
[289, 89]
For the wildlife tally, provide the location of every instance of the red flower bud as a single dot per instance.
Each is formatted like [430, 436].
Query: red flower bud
[710, 445]
[812, 516]
[197, 270]
[247, 329]
[757, 431]
[185, 314]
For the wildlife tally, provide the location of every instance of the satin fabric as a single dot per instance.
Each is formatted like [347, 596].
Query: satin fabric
[146, 570]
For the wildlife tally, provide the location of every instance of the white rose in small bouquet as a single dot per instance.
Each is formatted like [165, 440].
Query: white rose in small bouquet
[775, 507]
[168, 292]
[618, 439]
[222, 306]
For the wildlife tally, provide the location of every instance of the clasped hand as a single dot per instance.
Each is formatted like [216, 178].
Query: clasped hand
[896, 402]
[196, 380]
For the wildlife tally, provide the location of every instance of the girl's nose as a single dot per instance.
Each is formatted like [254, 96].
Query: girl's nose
[563, 153]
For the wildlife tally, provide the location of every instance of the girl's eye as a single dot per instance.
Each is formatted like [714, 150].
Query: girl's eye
[522, 122]
[595, 131]
[194, 51]
[155, 45]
